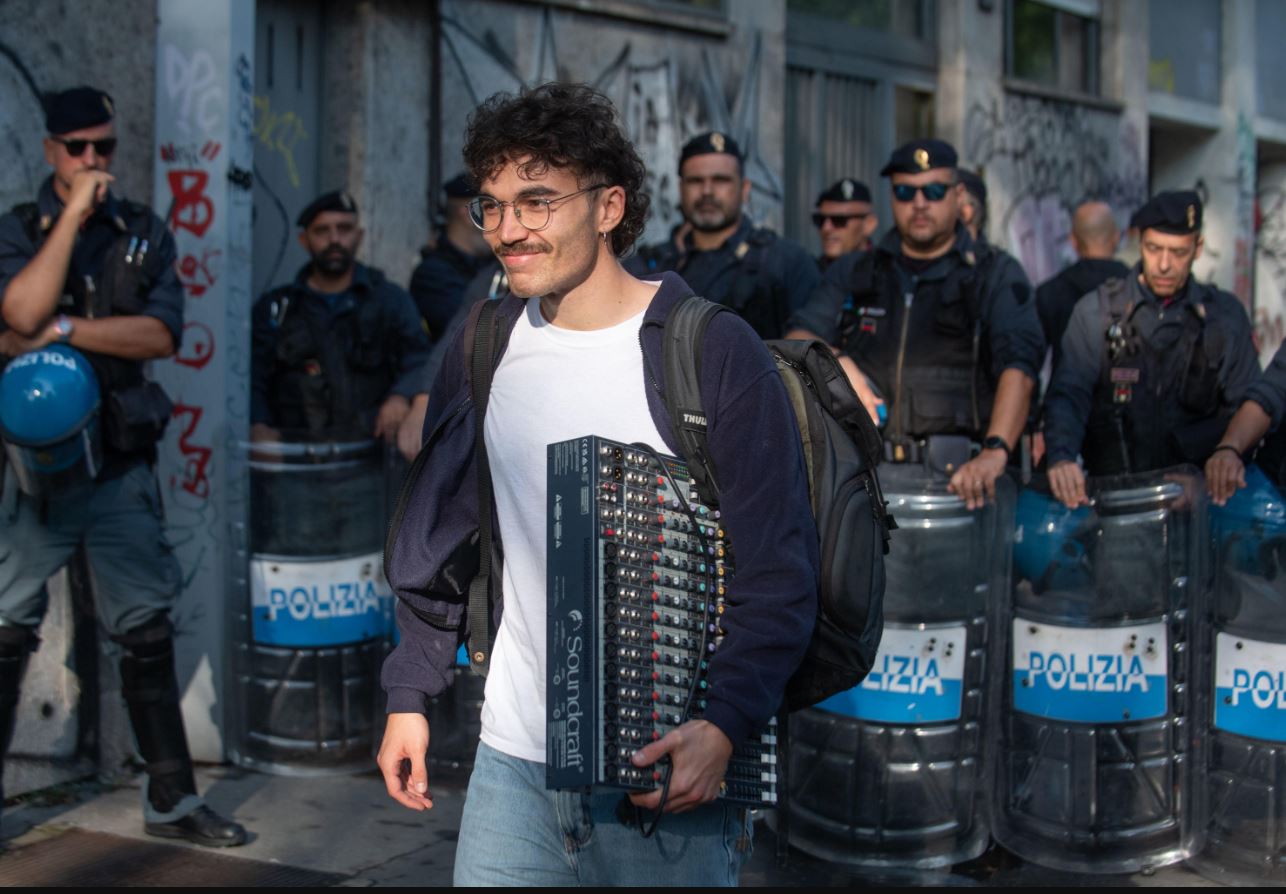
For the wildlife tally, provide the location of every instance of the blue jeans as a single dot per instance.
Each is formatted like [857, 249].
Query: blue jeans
[515, 832]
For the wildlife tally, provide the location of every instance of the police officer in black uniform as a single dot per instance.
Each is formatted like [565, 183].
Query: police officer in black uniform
[722, 255]
[1153, 364]
[940, 326]
[844, 219]
[338, 353]
[1259, 415]
[446, 268]
[87, 268]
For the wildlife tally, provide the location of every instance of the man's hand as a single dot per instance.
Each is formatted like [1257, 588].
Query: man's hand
[975, 481]
[1225, 472]
[861, 386]
[12, 344]
[411, 431]
[699, 753]
[401, 760]
[1067, 482]
[392, 413]
[88, 189]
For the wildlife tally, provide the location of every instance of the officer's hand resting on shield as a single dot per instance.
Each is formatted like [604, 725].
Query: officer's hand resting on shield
[975, 481]
[401, 760]
[1067, 482]
[1225, 469]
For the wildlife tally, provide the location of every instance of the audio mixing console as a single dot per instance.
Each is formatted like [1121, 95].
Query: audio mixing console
[638, 569]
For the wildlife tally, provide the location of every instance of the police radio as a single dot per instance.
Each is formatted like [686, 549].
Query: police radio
[637, 574]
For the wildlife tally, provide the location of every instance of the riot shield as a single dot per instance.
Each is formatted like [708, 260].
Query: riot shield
[889, 775]
[310, 645]
[1093, 761]
[1243, 647]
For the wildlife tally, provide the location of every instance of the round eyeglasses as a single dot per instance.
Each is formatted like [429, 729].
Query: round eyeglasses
[532, 212]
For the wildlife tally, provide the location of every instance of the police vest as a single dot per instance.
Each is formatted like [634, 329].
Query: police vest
[1154, 407]
[126, 267]
[330, 377]
[923, 350]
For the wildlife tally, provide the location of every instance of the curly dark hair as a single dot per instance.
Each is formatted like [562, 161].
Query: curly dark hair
[569, 126]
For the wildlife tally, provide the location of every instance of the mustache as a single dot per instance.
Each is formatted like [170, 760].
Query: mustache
[521, 248]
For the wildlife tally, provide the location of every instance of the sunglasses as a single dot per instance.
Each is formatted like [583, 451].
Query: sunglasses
[839, 221]
[76, 148]
[933, 192]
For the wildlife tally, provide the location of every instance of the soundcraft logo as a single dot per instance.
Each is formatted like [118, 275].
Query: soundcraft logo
[575, 645]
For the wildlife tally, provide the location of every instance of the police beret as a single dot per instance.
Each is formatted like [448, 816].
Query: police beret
[76, 109]
[918, 156]
[460, 187]
[1176, 212]
[846, 190]
[339, 200]
[713, 142]
[973, 184]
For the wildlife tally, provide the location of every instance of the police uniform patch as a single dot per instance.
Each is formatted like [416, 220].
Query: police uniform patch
[742, 250]
[717, 141]
[868, 325]
[922, 159]
[1127, 374]
[312, 368]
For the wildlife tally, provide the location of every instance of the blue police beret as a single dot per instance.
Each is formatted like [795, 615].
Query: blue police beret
[846, 190]
[76, 109]
[1177, 211]
[710, 143]
[339, 200]
[918, 156]
[460, 187]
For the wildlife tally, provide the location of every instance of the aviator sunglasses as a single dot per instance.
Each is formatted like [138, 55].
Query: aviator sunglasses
[933, 192]
[76, 148]
[839, 221]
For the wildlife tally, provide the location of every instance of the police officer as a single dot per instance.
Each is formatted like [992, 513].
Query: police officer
[1260, 413]
[338, 353]
[722, 255]
[973, 208]
[1094, 239]
[1153, 364]
[86, 268]
[941, 327]
[446, 268]
[844, 220]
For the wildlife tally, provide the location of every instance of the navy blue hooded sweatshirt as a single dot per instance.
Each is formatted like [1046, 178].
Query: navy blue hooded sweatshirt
[754, 444]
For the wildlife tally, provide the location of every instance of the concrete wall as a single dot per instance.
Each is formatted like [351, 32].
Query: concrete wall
[1042, 155]
[668, 84]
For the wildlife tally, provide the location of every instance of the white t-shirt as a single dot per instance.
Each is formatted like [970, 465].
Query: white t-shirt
[552, 385]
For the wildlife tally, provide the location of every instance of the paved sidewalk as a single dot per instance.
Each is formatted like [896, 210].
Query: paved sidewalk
[346, 826]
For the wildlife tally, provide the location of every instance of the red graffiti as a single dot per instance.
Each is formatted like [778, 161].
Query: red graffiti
[195, 480]
[197, 347]
[198, 275]
[168, 152]
[210, 150]
[193, 210]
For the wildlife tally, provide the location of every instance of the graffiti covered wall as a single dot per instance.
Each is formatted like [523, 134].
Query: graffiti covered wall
[668, 85]
[1043, 157]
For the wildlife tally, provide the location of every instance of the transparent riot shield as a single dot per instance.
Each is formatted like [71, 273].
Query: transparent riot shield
[315, 635]
[889, 775]
[1092, 731]
[1243, 811]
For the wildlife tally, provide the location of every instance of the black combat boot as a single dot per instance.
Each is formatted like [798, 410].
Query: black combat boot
[150, 687]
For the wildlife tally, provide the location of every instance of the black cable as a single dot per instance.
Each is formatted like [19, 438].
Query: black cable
[705, 625]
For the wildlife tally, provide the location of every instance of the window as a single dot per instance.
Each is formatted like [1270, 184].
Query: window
[1183, 42]
[1270, 62]
[913, 110]
[905, 18]
[1053, 44]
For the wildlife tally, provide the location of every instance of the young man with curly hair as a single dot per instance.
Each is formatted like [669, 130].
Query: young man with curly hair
[561, 199]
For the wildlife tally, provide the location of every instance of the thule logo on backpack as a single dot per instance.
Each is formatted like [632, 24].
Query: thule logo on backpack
[694, 419]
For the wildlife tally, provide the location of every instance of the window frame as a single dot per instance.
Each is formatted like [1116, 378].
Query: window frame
[1093, 52]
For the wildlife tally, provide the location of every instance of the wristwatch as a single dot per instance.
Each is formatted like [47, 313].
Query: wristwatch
[996, 442]
[63, 326]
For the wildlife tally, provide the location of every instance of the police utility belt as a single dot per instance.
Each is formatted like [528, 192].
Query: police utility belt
[937, 453]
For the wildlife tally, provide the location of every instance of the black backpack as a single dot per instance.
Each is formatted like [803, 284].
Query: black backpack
[841, 450]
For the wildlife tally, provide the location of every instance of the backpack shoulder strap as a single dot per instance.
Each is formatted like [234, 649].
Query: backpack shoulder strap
[481, 353]
[685, 328]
